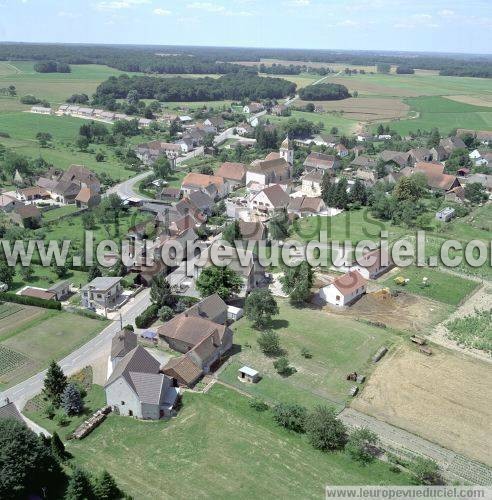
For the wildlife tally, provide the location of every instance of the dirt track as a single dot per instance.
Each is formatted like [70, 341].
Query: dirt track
[444, 398]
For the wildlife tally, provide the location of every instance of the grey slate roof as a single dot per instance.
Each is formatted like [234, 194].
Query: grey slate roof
[102, 283]
[211, 307]
[9, 410]
[122, 343]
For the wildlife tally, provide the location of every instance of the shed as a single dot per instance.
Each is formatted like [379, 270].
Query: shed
[446, 214]
[149, 335]
[234, 313]
[247, 374]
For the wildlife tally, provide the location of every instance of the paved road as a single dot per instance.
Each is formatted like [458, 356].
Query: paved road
[453, 465]
[126, 189]
[22, 392]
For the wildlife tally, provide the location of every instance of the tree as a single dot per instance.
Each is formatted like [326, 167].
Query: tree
[384, 68]
[105, 487]
[325, 431]
[54, 383]
[160, 292]
[71, 400]
[26, 272]
[99, 156]
[44, 138]
[231, 232]
[94, 272]
[260, 306]
[162, 168]
[165, 313]
[434, 138]
[407, 188]
[6, 274]
[269, 343]
[425, 470]
[57, 447]
[359, 193]
[475, 192]
[27, 464]
[79, 486]
[132, 97]
[88, 220]
[278, 226]
[297, 282]
[82, 143]
[290, 416]
[221, 280]
[60, 271]
[457, 159]
[360, 445]
[341, 197]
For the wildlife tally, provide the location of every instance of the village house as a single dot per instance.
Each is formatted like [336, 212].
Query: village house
[244, 128]
[483, 179]
[450, 144]
[253, 107]
[233, 173]
[41, 110]
[311, 183]
[397, 157]
[484, 136]
[202, 341]
[27, 216]
[418, 155]
[101, 293]
[270, 199]
[437, 180]
[59, 291]
[121, 344]
[169, 195]
[8, 203]
[252, 230]
[211, 307]
[364, 162]
[136, 388]
[150, 151]
[321, 162]
[265, 172]
[203, 201]
[341, 150]
[306, 205]
[87, 198]
[368, 177]
[344, 290]
[211, 184]
[213, 124]
[32, 194]
[373, 264]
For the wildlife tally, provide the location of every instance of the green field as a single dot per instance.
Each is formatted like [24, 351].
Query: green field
[444, 114]
[30, 345]
[23, 127]
[56, 213]
[441, 286]
[339, 346]
[44, 277]
[218, 447]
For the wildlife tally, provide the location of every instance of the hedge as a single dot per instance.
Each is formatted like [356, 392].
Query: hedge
[145, 319]
[30, 301]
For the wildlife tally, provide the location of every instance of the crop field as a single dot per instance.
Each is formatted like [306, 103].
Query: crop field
[209, 442]
[33, 337]
[473, 330]
[441, 286]
[367, 109]
[338, 345]
[442, 398]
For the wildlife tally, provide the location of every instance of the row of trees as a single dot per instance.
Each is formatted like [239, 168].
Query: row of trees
[52, 67]
[324, 92]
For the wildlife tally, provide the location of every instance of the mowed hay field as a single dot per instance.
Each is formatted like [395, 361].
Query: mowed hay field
[215, 437]
[31, 337]
[444, 398]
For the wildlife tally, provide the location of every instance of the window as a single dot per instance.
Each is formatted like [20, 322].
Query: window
[338, 297]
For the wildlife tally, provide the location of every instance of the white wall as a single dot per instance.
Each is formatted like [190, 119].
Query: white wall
[331, 295]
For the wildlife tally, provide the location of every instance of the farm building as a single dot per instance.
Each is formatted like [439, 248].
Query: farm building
[446, 214]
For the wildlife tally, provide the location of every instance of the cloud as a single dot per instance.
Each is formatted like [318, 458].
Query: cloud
[162, 12]
[299, 3]
[206, 6]
[446, 13]
[241, 13]
[347, 23]
[119, 4]
[417, 21]
[68, 15]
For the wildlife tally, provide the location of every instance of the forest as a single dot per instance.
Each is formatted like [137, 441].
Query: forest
[235, 87]
[220, 60]
[324, 92]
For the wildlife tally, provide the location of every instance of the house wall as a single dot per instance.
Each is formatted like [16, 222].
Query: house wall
[310, 188]
[121, 396]
[333, 296]
[256, 177]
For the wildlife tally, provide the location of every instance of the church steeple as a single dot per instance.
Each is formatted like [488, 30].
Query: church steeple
[287, 151]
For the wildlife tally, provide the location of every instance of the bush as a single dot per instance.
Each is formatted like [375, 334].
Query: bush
[30, 301]
[269, 343]
[62, 420]
[165, 313]
[306, 353]
[258, 404]
[282, 366]
[425, 470]
[145, 319]
[290, 416]
[360, 445]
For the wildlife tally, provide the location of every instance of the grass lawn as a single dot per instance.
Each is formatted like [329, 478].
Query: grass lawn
[444, 114]
[44, 277]
[50, 335]
[353, 226]
[56, 213]
[95, 399]
[443, 287]
[218, 447]
[338, 345]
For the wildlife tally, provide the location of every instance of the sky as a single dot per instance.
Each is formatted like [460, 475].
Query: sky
[411, 25]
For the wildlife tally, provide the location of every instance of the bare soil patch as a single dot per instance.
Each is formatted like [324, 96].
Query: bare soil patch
[402, 312]
[443, 398]
[474, 100]
[366, 109]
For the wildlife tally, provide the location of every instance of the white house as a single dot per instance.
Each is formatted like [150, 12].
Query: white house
[101, 293]
[373, 264]
[269, 199]
[311, 183]
[136, 388]
[41, 110]
[121, 344]
[345, 290]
